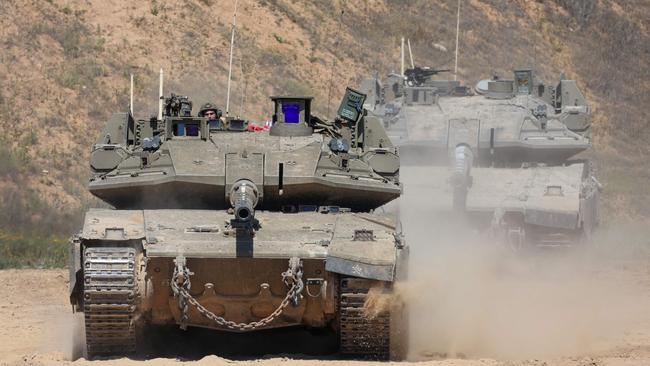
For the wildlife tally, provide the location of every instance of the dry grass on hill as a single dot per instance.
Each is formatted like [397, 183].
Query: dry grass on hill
[65, 66]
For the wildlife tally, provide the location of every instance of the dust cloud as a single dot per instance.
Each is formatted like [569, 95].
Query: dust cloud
[469, 298]
[64, 335]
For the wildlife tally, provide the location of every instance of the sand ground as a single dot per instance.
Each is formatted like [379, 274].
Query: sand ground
[38, 326]
[470, 305]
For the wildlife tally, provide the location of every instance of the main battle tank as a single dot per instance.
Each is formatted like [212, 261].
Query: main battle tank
[221, 226]
[502, 154]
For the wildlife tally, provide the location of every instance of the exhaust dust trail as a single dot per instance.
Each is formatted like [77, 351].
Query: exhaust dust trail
[469, 298]
[63, 336]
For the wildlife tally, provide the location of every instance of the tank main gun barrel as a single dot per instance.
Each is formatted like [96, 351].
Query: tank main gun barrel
[243, 198]
[461, 179]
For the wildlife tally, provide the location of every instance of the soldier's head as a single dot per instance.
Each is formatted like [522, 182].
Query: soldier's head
[210, 111]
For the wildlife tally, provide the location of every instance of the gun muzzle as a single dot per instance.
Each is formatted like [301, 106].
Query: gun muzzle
[462, 163]
[243, 198]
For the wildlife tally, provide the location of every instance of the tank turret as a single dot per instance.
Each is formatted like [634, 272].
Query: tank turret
[505, 150]
[184, 161]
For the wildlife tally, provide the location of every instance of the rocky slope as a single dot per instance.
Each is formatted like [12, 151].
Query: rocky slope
[65, 65]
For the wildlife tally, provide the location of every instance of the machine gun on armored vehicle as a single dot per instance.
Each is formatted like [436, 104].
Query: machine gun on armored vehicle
[418, 76]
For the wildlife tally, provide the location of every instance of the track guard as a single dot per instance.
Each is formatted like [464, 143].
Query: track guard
[360, 269]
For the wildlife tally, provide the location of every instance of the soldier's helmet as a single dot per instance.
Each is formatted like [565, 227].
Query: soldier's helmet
[209, 107]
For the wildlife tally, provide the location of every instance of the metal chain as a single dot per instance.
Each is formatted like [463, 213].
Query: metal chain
[181, 276]
[181, 283]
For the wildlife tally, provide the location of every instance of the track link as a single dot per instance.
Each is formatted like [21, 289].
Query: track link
[110, 292]
[361, 336]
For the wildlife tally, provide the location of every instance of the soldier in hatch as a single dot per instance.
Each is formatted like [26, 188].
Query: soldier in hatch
[212, 113]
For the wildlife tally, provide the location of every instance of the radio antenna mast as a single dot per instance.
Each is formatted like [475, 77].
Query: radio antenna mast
[160, 96]
[232, 45]
[131, 103]
[408, 41]
[457, 31]
[336, 47]
[245, 81]
[402, 57]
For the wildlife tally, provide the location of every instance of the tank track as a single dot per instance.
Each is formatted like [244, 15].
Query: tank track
[360, 336]
[109, 301]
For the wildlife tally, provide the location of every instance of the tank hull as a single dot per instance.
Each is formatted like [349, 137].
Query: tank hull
[533, 207]
[243, 290]
[238, 277]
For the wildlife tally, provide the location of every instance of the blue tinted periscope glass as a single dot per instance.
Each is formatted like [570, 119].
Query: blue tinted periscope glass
[192, 130]
[180, 129]
[291, 112]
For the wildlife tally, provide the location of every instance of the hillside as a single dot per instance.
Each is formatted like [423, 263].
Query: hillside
[65, 66]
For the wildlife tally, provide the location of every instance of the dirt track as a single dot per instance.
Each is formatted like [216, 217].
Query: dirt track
[470, 305]
[38, 325]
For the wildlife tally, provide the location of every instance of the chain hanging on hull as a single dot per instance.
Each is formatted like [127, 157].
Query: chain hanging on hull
[181, 285]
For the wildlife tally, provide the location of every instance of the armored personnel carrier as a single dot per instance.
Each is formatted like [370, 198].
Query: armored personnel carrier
[501, 153]
[221, 227]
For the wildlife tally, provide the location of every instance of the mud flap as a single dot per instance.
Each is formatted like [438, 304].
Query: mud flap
[362, 248]
[399, 319]
[74, 268]
[359, 269]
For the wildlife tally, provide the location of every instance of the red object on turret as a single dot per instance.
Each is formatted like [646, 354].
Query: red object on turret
[255, 128]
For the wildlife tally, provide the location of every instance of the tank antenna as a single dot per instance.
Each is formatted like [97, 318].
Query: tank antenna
[402, 51]
[160, 93]
[232, 45]
[457, 31]
[336, 46]
[131, 103]
[408, 41]
[243, 94]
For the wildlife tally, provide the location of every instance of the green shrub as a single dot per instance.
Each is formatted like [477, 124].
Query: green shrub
[8, 162]
[18, 251]
[83, 72]
[154, 8]
[279, 39]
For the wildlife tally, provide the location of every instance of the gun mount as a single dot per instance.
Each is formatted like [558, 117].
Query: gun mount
[178, 106]
[418, 76]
